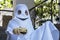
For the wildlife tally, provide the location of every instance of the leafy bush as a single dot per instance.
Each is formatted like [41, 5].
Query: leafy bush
[6, 4]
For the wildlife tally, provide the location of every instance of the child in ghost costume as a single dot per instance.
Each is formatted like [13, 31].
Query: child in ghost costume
[20, 20]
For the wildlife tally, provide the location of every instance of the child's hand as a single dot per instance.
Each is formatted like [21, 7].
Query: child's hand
[23, 30]
[20, 31]
[16, 31]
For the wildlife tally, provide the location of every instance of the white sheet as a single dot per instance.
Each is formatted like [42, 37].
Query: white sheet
[46, 32]
[16, 22]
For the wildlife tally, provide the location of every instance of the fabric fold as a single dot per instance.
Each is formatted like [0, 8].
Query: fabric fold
[46, 32]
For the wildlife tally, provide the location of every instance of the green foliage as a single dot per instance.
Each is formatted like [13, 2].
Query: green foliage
[46, 8]
[5, 4]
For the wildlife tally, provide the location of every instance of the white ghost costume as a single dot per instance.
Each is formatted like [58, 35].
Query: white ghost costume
[20, 20]
[46, 32]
